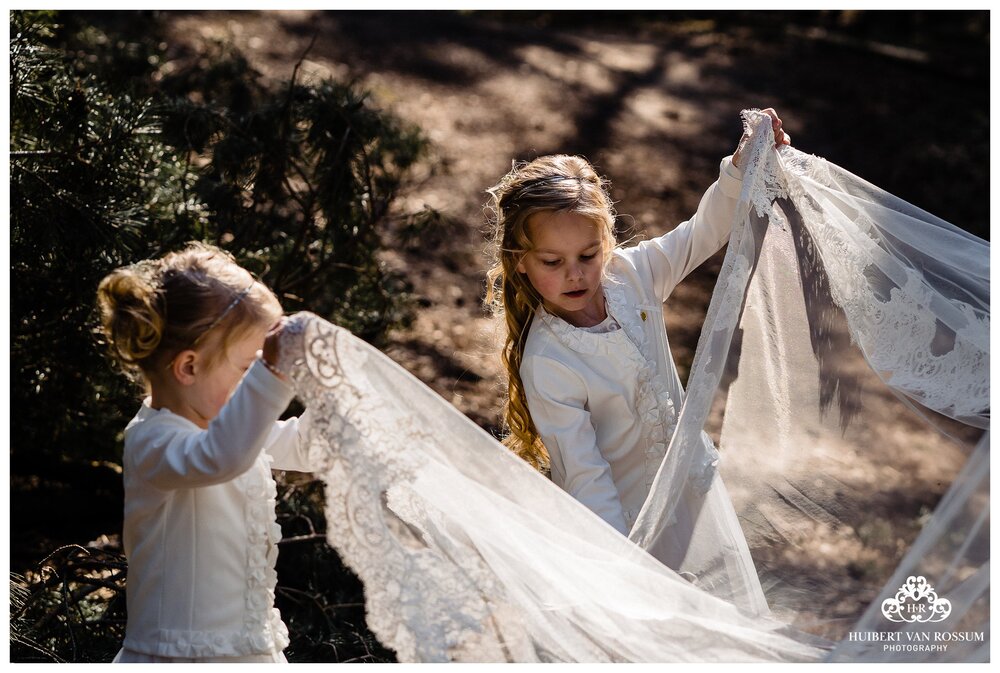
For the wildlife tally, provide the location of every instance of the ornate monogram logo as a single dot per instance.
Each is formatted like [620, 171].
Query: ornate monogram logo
[916, 601]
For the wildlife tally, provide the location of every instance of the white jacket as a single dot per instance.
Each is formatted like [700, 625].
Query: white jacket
[606, 404]
[200, 531]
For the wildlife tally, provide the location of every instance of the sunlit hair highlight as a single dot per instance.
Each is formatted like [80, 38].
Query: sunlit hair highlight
[558, 184]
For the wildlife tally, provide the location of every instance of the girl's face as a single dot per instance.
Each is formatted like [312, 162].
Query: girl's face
[565, 266]
[213, 386]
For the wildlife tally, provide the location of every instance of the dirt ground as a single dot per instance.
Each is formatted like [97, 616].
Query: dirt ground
[652, 100]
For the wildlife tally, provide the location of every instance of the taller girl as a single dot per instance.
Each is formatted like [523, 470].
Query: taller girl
[593, 389]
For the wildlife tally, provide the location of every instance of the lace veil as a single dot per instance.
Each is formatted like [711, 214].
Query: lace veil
[841, 316]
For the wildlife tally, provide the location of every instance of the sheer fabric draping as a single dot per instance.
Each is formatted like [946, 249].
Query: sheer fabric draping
[844, 367]
[845, 350]
[468, 554]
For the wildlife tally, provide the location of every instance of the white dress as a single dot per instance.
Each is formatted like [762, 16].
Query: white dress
[200, 532]
[605, 403]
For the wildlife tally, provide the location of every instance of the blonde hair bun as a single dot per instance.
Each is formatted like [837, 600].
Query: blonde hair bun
[153, 310]
[130, 314]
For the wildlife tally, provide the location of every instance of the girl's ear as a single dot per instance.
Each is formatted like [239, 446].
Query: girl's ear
[184, 367]
[520, 268]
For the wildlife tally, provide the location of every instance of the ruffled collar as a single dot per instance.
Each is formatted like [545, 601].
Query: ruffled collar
[592, 343]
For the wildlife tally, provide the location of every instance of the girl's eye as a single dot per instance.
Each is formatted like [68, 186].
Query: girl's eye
[589, 257]
[550, 262]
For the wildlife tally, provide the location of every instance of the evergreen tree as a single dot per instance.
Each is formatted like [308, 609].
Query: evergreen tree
[92, 187]
[112, 161]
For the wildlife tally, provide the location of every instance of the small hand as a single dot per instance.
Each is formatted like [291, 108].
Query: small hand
[780, 137]
[272, 347]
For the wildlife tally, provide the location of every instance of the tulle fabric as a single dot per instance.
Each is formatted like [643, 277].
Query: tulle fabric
[835, 313]
[468, 554]
[844, 368]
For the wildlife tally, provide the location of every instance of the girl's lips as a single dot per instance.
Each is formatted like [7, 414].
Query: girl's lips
[575, 294]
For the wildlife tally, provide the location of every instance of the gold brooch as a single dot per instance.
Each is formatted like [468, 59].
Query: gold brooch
[643, 316]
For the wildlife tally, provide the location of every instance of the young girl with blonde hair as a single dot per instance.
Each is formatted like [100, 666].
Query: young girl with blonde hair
[200, 531]
[593, 392]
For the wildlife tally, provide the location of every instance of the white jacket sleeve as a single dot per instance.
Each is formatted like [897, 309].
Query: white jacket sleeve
[223, 451]
[666, 260]
[557, 399]
[286, 444]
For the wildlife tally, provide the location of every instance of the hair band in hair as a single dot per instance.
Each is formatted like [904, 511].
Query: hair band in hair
[222, 316]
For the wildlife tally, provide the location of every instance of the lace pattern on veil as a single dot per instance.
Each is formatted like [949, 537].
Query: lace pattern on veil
[427, 604]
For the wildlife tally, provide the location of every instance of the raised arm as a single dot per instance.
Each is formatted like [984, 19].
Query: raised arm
[666, 260]
[190, 458]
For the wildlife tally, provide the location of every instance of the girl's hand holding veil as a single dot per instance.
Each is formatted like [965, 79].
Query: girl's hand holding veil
[780, 137]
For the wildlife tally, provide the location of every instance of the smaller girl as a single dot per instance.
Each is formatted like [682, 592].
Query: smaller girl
[593, 392]
[200, 531]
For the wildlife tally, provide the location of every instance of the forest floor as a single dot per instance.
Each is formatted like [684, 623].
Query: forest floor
[653, 102]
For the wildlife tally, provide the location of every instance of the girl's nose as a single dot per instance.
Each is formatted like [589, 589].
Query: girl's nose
[574, 272]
